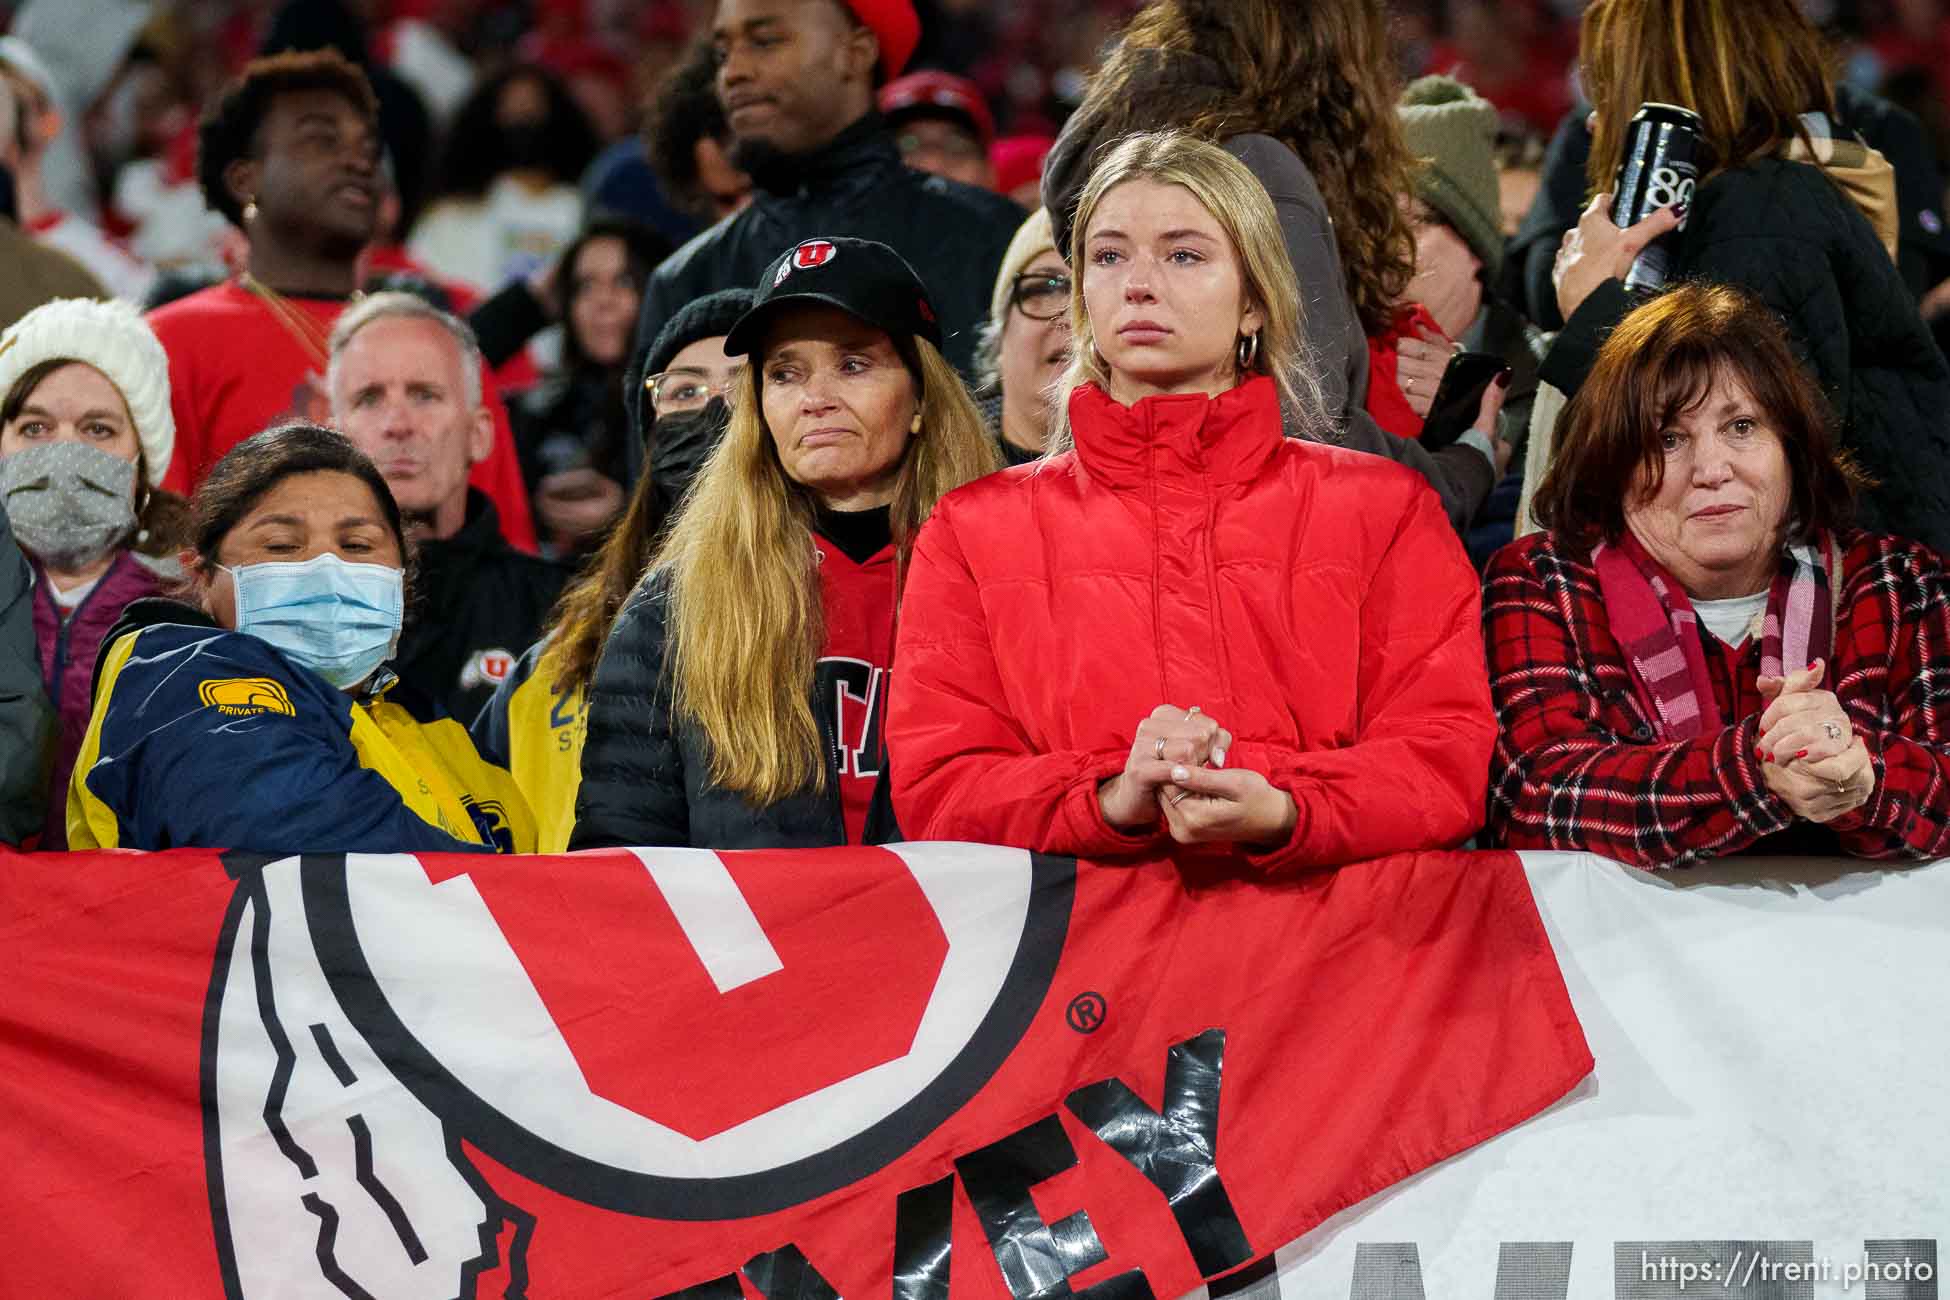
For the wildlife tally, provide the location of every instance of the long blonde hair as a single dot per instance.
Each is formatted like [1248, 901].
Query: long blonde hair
[1749, 68]
[745, 624]
[1238, 202]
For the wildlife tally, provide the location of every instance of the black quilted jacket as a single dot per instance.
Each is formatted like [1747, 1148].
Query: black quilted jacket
[1784, 231]
[645, 769]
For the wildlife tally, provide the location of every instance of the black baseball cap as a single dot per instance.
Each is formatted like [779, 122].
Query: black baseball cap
[863, 278]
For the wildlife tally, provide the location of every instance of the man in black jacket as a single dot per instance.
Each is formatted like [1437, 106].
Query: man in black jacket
[405, 382]
[797, 79]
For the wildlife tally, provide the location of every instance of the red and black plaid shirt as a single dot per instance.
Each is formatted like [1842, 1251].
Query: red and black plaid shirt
[1578, 764]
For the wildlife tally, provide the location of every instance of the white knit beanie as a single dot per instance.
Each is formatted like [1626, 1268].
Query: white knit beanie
[114, 339]
[1032, 240]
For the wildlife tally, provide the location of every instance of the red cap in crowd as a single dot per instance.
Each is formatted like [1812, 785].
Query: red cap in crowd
[1018, 160]
[897, 26]
[933, 93]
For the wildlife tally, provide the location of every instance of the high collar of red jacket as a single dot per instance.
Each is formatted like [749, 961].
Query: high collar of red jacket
[1223, 439]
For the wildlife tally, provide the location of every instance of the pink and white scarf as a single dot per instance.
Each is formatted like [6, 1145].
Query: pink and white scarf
[1655, 625]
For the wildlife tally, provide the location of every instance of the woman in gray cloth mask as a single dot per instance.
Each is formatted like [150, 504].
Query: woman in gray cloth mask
[85, 431]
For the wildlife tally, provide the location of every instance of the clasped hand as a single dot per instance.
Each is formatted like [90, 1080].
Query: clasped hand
[1810, 756]
[1176, 769]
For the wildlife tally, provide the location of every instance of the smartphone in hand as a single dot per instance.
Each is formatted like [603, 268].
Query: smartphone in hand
[1465, 380]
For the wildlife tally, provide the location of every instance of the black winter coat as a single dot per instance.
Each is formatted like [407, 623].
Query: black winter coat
[478, 604]
[1783, 231]
[953, 235]
[646, 776]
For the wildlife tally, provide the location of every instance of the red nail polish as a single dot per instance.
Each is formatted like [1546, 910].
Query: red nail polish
[1801, 753]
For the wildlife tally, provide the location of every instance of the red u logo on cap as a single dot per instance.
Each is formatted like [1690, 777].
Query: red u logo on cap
[814, 252]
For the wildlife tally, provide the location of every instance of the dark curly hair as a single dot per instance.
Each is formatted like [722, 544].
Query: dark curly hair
[228, 130]
[686, 110]
[476, 149]
[1317, 76]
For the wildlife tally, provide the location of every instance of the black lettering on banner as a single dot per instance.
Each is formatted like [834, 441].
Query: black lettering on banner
[924, 1224]
[1685, 1270]
[1178, 1151]
[1533, 1270]
[1036, 1262]
[1899, 1269]
[1387, 1270]
[718, 1288]
[786, 1274]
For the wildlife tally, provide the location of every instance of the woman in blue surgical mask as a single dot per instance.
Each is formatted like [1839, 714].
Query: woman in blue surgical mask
[262, 715]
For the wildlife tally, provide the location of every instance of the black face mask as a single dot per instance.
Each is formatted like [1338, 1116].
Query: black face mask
[681, 442]
[524, 145]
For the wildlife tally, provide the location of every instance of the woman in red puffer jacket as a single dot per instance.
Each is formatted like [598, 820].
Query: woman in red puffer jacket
[1188, 628]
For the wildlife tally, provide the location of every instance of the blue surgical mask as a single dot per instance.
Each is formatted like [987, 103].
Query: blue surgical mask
[338, 619]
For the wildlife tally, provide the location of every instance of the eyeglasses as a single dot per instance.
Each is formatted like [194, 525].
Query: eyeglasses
[685, 390]
[1040, 295]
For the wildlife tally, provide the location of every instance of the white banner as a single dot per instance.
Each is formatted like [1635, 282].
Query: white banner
[1767, 1117]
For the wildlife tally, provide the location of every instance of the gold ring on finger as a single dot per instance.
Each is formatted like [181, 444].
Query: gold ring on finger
[1161, 749]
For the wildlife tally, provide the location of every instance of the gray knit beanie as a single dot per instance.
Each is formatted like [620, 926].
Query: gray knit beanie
[1453, 130]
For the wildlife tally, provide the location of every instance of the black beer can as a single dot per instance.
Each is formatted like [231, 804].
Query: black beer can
[1660, 168]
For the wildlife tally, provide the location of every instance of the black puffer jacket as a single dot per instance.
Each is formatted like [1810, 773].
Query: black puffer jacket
[1783, 231]
[479, 604]
[953, 235]
[646, 777]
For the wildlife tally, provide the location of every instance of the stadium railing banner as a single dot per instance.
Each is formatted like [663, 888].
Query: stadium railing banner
[1767, 1118]
[925, 1072]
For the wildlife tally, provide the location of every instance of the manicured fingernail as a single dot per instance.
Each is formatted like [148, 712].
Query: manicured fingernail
[1218, 758]
[1179, 774]
[1800, 753]
[1503, 380]
[1680, 211]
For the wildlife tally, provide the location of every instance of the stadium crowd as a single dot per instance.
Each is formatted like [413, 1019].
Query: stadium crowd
[1254, 433]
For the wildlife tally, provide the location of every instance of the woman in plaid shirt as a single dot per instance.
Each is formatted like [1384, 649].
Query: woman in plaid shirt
[1698, 657]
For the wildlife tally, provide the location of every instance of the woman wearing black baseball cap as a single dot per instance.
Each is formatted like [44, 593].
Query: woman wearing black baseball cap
[738, 700]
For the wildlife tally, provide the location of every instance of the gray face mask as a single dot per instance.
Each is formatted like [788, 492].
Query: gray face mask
[69, 502]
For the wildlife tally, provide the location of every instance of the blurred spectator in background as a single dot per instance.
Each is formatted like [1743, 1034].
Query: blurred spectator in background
[1519, 173]
[797, 78]
[34, 272]
[1514, 53]
[690, 142]
[289, 154]
[1789, 206]
[1017, 161]
[1026, 343]
[83, 48]
[506, 200]
[1304, 96]
[941, 125]
[1458, 255]
[37, 124]
[406, 386]
[85, 432]
[572, 428]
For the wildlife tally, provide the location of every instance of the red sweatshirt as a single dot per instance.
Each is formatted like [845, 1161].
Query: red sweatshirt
[858, 600]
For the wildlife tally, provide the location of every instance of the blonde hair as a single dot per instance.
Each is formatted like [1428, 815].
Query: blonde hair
[1239, 203]
[744, 616]
[1749, 68]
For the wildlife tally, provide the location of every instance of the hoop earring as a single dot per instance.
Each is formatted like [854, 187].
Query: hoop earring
[1248, 351]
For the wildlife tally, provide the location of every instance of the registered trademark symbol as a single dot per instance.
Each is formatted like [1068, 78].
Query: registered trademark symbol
[1086, 1013]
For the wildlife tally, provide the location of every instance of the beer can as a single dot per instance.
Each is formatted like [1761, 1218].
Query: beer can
[1659, 170]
